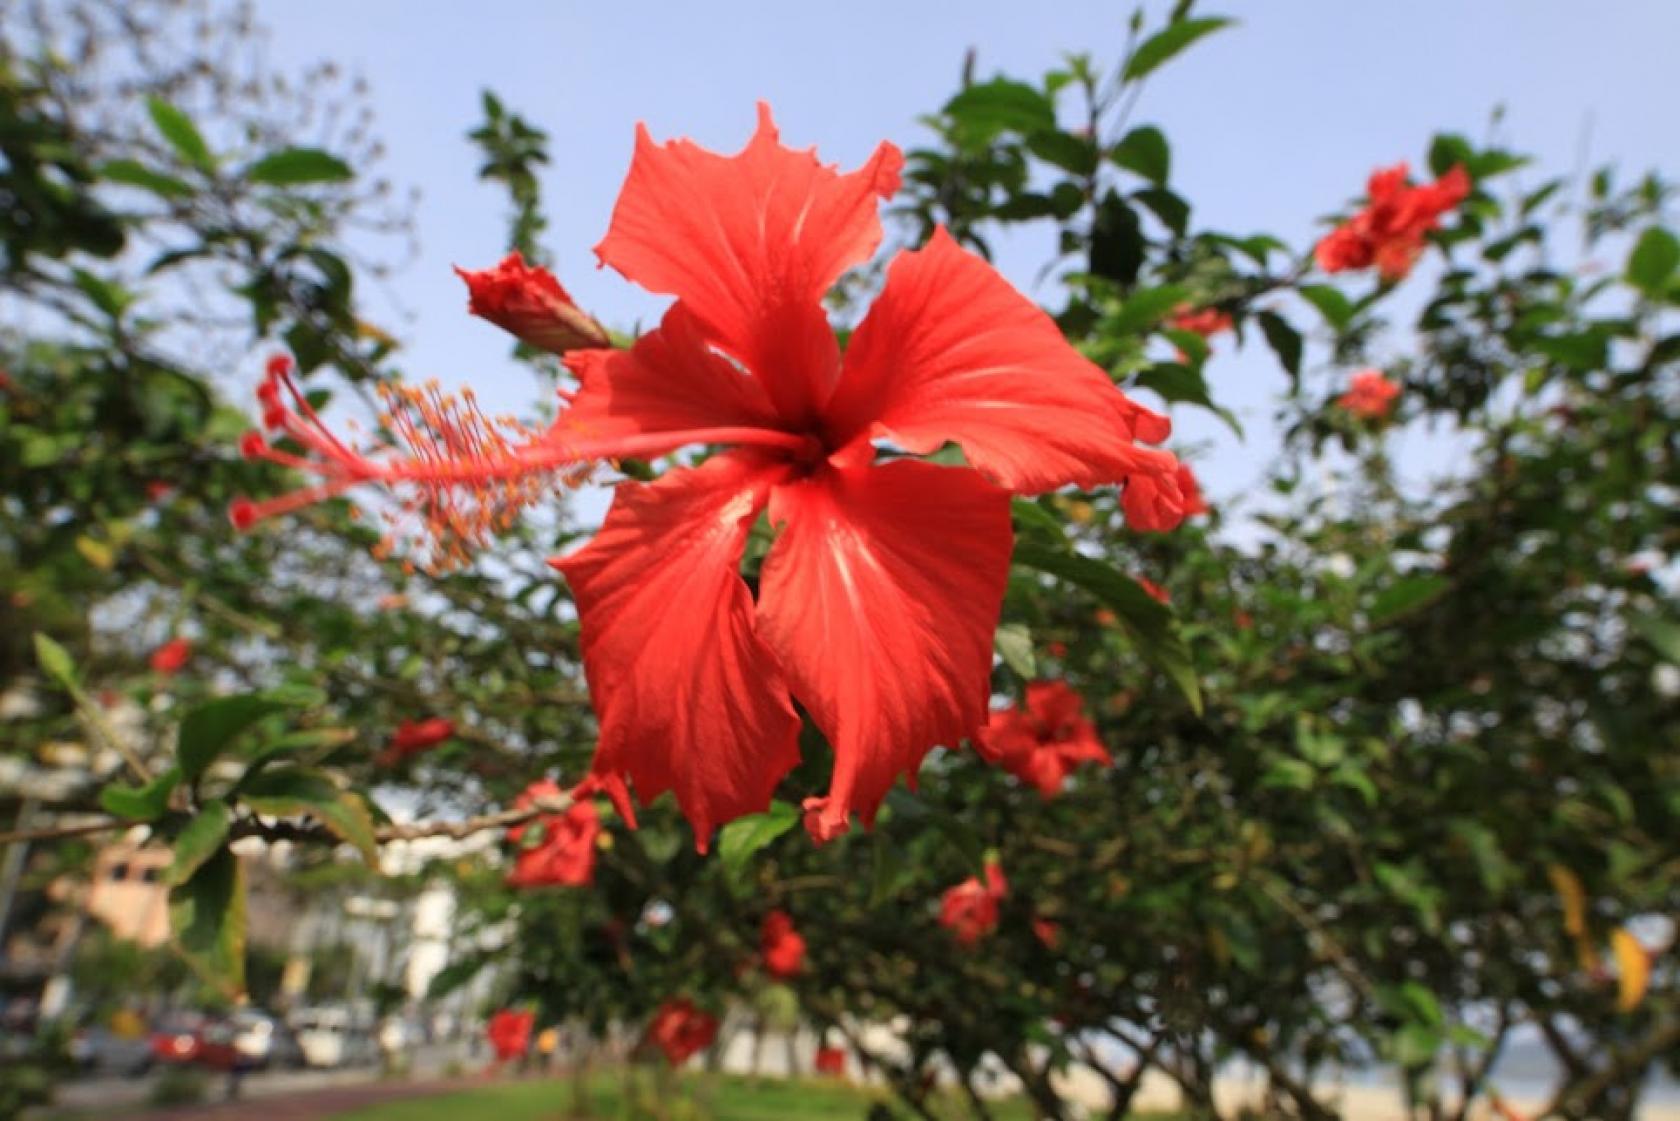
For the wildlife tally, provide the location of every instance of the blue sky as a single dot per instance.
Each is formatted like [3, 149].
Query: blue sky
[1273, 123]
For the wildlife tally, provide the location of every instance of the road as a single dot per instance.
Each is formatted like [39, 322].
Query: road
[115, 1097]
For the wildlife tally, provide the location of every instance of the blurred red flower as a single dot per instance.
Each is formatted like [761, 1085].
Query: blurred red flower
[1389, 232]
[169, 658]
[681, 1030]
[1042, 741]
[413, 737]
[970, 909]
[509, 1032]
[782, 946]
[1370, 395]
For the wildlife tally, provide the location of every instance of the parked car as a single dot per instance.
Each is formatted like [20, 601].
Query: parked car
[264, 1041]
[185, 1038]
[99, 1050]
[330, 1038]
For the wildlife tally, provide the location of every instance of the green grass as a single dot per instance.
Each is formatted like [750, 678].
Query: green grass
[693, 1098]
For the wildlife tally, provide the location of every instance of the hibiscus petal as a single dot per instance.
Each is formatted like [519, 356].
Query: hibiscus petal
[687, 697]
[950, 351]
[750, 243]
[669, 381]
[879, 599]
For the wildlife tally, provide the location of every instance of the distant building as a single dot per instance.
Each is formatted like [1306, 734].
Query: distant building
[126, 892]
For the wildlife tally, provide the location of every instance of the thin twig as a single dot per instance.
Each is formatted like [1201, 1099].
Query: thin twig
[292, 831]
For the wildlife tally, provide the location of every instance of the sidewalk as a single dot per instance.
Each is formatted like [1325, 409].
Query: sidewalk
[307, 1105]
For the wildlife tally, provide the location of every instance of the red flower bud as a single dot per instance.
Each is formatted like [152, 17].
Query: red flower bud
[528, 302]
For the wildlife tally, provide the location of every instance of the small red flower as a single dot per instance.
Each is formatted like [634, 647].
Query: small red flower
[877, 603]
[1042, 741]
[528, 302]
[413, 737]
[509, 1032]
[830, 1061]
[681, 1030]
[558, 849]
[157, 490]
[1389, 232]
[1205, 322]
[1048, 933]
[171, 657]
[782, 946]
[970, 909]
[1156, 592]
[1370, 395]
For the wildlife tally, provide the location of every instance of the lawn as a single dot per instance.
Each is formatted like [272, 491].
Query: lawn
[696, 1098]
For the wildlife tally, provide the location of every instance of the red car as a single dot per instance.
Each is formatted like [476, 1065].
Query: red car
[196, 1039]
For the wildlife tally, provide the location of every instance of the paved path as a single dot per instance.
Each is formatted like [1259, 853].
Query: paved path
[312, 1105]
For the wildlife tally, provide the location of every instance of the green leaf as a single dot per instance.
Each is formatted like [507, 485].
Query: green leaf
[1407, 595]
[981, 112]
[108, 297]
[133, 173]
[207, 730]
[1336, 308]
[1145, 308]
[140, 803]
[55, 661]
[1151, 624]
[742, 838]
[1291, 774]
[1284, 340]
[1145, 151]
[199, 841]
[1035, 521]
[208, 917]
[1162, 46]
[1448, 150]
[1169, 207]
[1014, 644]
[1177, 382]
[177, 128]
[1415, 1045]
[1663, 634]
[1654, 258]
[1584, 352]
[304, 791]
[890, 873]
[1071, 153]
[296, 166]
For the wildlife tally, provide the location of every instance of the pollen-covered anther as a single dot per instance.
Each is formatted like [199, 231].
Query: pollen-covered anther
[458, 477]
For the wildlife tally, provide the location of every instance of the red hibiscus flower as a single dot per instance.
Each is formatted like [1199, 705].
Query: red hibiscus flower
[970, 910]
[1191, 489]
[1389, 232]
[413, 737]
[681, 1030]
[1048, 933]
[529, 302]
[509, 1032]
[1370, 395]
[171, 657]
[558, 849]
[1042, 741]
[781, 945]
[1205, 322]
[830, 1061]
[877, 602]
